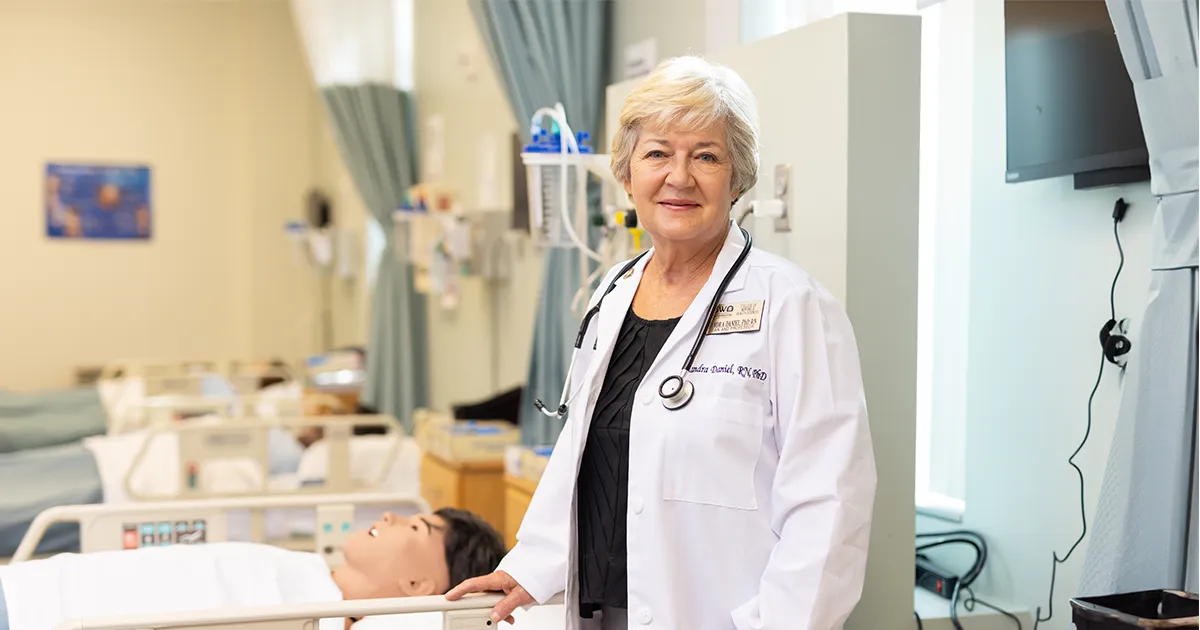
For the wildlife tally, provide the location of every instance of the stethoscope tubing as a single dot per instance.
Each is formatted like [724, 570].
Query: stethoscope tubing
[684, 385]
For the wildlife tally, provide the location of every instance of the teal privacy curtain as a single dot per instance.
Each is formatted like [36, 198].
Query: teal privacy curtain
[352, 51]
[547, 52]
[1145, 531]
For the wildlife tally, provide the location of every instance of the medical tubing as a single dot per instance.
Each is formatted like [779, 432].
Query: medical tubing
[1112, 305]
[712, 305]
[559, 116]
[592, 277]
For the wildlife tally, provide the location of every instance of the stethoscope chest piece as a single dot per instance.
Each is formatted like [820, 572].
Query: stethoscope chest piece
[675, 392]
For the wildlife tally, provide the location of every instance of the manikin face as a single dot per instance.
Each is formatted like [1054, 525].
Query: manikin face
[397, 557]
[679, 181]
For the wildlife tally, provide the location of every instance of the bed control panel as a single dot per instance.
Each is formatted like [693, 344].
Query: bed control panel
[163, 533]
[335, 523]
[468, 620]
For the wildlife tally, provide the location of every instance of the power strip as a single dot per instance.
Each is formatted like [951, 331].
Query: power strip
[935, 579]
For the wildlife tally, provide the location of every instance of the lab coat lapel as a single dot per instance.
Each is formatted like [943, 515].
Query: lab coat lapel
[693, 320]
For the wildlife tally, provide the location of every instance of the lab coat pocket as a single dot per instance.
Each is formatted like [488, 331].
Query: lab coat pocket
[711, 452]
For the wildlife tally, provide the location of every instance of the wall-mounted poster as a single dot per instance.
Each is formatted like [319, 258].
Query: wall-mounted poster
[97, 202]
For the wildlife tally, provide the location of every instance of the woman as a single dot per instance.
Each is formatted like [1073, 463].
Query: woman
[749, 505]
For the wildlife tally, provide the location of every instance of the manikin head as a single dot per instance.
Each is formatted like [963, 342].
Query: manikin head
[410, 556]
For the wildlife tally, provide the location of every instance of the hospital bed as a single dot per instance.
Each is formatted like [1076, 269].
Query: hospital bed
[249, 456]
[92, 468]
[56, 417]
[134, 368]
[216, 397]
[233, 456]
[196, 521]
[131, 402]
[107, 527]
[407, 613]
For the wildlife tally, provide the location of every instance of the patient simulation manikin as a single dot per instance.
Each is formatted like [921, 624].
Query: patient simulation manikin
[397, 557]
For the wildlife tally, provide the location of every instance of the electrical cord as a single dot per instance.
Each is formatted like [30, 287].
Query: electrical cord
[976, 542]
[1118, 214]
[971, 600]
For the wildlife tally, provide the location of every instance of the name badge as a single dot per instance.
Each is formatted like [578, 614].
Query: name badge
[735, 318]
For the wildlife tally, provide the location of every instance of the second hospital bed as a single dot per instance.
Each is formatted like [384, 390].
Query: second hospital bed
[145, 465]
[31, 420]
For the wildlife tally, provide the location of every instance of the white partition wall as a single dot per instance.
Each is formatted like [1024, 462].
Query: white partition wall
[839, 103]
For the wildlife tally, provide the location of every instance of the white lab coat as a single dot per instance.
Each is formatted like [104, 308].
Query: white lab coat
[750, 508]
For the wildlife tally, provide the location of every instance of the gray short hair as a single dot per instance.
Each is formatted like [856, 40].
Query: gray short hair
[692, 93]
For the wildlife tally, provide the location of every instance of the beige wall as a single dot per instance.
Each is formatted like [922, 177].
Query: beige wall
[483, 345]
[677, 26]
[215, 97]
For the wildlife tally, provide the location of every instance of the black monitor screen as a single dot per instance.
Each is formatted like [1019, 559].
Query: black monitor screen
[1070, 102]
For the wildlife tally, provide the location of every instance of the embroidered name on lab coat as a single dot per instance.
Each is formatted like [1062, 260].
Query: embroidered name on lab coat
[735, 318]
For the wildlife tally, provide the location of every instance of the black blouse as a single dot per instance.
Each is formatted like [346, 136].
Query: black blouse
[603, 483]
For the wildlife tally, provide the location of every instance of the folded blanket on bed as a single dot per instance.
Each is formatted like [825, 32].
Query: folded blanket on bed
[49, 418]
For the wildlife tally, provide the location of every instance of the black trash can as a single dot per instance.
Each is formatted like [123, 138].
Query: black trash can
[1174, 610]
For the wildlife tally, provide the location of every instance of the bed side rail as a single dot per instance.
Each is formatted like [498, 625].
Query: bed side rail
[468, 613]
[132, 525]
[165, 408]
[248, 439]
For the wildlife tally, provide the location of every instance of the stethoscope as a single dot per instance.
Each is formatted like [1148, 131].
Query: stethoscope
[676, 390]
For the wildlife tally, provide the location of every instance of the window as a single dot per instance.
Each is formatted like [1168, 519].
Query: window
[943, 231]
[939, 483]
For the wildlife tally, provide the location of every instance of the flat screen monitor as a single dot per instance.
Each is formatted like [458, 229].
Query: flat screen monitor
[1071, 108]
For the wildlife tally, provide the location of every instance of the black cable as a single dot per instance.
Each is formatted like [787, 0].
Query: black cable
[971, 600]
[920, 626]
[1118, 214]
[980, 554]
[955, 536]
[977, 542]
[1112, 291]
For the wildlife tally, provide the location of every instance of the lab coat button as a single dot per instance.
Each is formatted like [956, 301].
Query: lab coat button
[644, 617]
[637, 504]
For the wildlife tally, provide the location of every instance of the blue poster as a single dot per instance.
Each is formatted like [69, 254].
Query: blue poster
[97, 202]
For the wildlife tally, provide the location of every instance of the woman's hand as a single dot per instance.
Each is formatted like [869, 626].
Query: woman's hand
[515, 595]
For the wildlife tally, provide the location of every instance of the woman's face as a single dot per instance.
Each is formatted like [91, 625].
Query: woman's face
[679, 181]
